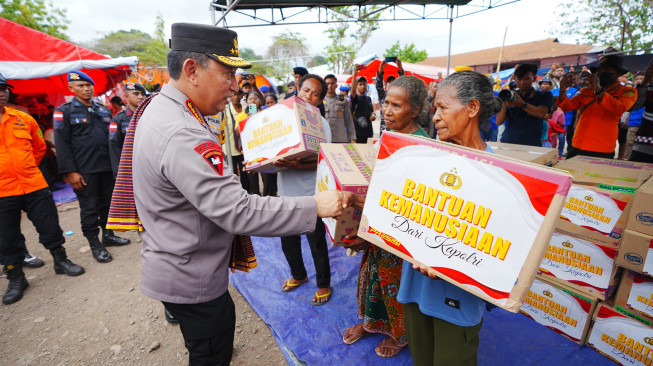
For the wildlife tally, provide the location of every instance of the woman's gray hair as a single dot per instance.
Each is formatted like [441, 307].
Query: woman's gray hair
[470, 85]
[415, 88]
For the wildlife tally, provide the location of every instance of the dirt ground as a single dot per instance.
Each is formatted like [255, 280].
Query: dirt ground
[101, 317]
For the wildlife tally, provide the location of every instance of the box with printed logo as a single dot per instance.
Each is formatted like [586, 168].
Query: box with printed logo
[641, 212]
[636, 252]
[560, 309]
[290, 129]
[534, 154]
[584, 266]
[344, 167]
[596, 213]
[479, 220]
[622, 336]
[635, 293]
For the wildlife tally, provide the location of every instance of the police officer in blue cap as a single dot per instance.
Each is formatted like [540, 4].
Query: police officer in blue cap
[134, 95]
[81, 130]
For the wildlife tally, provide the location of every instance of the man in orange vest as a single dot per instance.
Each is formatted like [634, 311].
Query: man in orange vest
[600, 105]
[23, 188]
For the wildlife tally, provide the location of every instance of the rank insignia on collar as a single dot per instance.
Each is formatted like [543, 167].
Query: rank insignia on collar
[193, 110]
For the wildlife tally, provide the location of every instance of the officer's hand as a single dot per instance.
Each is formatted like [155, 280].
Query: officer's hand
[331, 203]
[426, 271]
[353, 242]
[76, 181]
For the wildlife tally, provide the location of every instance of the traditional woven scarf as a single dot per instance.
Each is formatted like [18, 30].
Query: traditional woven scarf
[123, 215]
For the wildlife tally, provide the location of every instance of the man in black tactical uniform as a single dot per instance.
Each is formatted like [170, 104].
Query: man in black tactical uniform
[134, 95]
[81, 129]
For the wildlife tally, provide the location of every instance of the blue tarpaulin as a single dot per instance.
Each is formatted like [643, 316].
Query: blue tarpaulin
[314, 333]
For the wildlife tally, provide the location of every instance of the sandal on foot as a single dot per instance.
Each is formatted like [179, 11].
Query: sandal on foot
[356, 336]
[288, 286]
[390, 344]
[326, 296]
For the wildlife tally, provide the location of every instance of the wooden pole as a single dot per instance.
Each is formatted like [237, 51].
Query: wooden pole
[501, 52]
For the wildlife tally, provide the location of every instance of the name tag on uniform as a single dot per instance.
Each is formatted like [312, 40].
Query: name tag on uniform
[76, 119]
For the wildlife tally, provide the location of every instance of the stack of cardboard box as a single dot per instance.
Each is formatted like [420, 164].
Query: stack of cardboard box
[605, 230]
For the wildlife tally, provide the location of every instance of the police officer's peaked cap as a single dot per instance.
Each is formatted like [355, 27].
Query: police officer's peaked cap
[607, 61]
[135, 86]
[218, 43]
[3, 81]
[79, 76]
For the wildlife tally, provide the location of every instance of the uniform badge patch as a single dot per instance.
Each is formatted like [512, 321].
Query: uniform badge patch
[193, 111]
[113, 127]
[212, 153]
[57, 120]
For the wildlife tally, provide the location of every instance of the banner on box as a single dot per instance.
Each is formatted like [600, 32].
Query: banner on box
[591, 209]
[557, 309]
[641, 295]
[469, 219]
[625, 340]
[579, 261]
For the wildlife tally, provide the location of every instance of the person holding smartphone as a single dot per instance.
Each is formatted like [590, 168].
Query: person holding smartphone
[380, 87]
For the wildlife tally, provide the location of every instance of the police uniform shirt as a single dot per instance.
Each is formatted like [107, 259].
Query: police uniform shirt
[81, 137]
[190, 203]
[340, 120]
[117, 133]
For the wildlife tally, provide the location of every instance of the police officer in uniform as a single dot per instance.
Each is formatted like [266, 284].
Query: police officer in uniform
[23, 188]
[190, 204]
[134, 95]
[81, 130]
[337, 112]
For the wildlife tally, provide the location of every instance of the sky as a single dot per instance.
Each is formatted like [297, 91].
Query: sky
[527, 20]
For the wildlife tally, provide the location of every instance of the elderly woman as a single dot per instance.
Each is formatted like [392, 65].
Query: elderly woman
[443, 321]
[380, 271]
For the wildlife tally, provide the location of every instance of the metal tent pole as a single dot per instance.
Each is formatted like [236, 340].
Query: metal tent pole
[450, 31]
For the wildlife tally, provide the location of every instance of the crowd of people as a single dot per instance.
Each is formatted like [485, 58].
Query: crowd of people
[182, 179]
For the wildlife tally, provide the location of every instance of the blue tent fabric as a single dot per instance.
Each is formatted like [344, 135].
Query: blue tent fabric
[314, 333]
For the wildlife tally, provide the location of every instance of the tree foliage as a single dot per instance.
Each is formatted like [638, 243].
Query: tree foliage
[623, 24]
[287, 50]
[347, 38]
[151, 51]
[408, 53]
[250, 55]
[36, 14]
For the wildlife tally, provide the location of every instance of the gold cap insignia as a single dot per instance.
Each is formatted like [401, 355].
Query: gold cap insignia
[74, 76]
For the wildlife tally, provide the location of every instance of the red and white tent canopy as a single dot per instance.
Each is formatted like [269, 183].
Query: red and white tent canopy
[35, 62]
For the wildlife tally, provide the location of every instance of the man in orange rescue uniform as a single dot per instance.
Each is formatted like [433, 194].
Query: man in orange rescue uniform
[600, 105]
[23, 188]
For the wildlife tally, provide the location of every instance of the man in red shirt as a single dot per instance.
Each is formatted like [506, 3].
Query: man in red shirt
[23, 188]
[600, 105]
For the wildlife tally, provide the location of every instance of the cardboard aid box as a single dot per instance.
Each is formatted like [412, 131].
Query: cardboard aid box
[581, 265]
[617, 335]
[597, 173]
[559, 309]
[636, 252]
[592, 161]
[534, 154]
[641, 212]
[596, 214]
[344, 167]
[635, 294]
[480, 221]
[290, 129]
